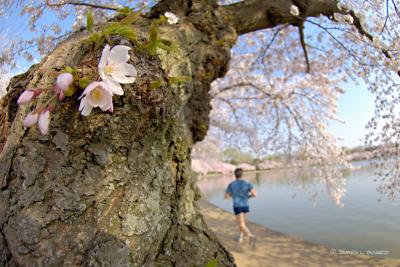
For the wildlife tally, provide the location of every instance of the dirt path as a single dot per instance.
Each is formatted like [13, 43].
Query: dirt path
[277, 249]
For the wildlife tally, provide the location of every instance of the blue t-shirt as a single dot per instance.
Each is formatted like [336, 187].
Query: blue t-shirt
[239, 190]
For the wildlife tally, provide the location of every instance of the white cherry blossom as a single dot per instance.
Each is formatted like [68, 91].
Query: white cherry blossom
[294, 10]
[172, 18]
[114, 69]
[96, 94]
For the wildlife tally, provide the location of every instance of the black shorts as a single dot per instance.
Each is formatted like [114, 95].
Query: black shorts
[238, 210]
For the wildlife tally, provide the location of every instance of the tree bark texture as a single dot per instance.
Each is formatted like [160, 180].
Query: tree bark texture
[117, 189]
[114, 189]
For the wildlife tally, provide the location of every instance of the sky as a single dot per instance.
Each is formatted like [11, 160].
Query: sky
[356, 105]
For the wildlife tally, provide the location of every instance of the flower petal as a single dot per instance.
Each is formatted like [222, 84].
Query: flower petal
[25, 97]
[104, 57]
[119, 54]
[30, 119]
[89, 88]
[64, 80]
[85, 107]
[44, 121]
[105, 96]
[114, 87]
[124, 73]
[111, 109]
[107, 105]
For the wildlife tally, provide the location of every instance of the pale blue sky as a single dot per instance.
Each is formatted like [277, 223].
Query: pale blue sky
[356, 105]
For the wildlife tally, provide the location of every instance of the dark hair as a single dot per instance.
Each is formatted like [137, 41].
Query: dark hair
[238, 173]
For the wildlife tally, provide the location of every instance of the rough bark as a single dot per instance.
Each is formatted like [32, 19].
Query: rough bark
[113, 189]
[117, 189]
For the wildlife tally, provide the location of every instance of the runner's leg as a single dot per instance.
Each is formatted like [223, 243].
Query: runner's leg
[242, 224]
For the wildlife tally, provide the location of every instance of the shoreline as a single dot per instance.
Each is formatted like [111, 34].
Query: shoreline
[201, 176]
[278, 249]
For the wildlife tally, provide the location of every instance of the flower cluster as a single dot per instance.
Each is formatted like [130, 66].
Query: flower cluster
[113, 69]
[41, 115]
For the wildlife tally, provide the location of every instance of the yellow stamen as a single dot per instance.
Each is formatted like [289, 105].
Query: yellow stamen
[108, 70]
[96, 94]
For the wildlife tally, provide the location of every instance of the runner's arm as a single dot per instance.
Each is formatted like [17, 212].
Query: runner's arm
[253, 193]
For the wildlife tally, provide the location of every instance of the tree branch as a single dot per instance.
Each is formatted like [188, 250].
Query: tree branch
[251, 15]
[76, 3]
[303, 45]
[362, 31]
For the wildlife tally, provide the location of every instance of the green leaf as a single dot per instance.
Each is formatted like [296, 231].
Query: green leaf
[96, 38]
[89, 21]
[167, 45]
[69, 69]
[131, 18]
[153, 33]
[124, 11]
[151, 48]
[123, 30]
[212, 263]
[70, 91]
[84, 82]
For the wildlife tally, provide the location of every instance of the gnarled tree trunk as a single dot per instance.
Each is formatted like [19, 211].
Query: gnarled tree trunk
[114, 189]
[117, 189]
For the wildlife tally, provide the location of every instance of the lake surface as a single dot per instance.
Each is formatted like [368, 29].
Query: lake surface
[285, 203]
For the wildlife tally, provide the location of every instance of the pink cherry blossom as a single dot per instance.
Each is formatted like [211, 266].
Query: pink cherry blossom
[44, 121]
[28, 95]
[30, 119]
[63, 82]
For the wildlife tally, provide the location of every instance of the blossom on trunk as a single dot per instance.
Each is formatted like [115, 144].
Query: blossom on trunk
[96, 94]
[172, 18]
[294, 10]
[27, 96]
[44, 121]
[42, 118]
[63, 83]
[30, 119]
[114, 69]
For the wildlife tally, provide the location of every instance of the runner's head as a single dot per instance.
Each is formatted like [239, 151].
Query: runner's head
[238, 173]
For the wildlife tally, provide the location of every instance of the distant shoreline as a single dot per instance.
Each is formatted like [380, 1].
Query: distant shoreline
[282, 167]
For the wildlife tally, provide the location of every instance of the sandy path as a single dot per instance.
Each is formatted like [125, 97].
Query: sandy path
[276, 249]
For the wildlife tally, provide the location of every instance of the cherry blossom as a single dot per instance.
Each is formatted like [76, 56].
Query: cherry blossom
[44, 121]
[63, 83]
[172, 18]
[114, 69]
[27, 96]
[31, 119]
[42, 118]
[294, 10]
[96, 94]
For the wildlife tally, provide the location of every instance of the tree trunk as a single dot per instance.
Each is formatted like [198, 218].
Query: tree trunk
[114, 189]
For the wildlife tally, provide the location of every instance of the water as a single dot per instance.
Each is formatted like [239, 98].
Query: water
[285, 204]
